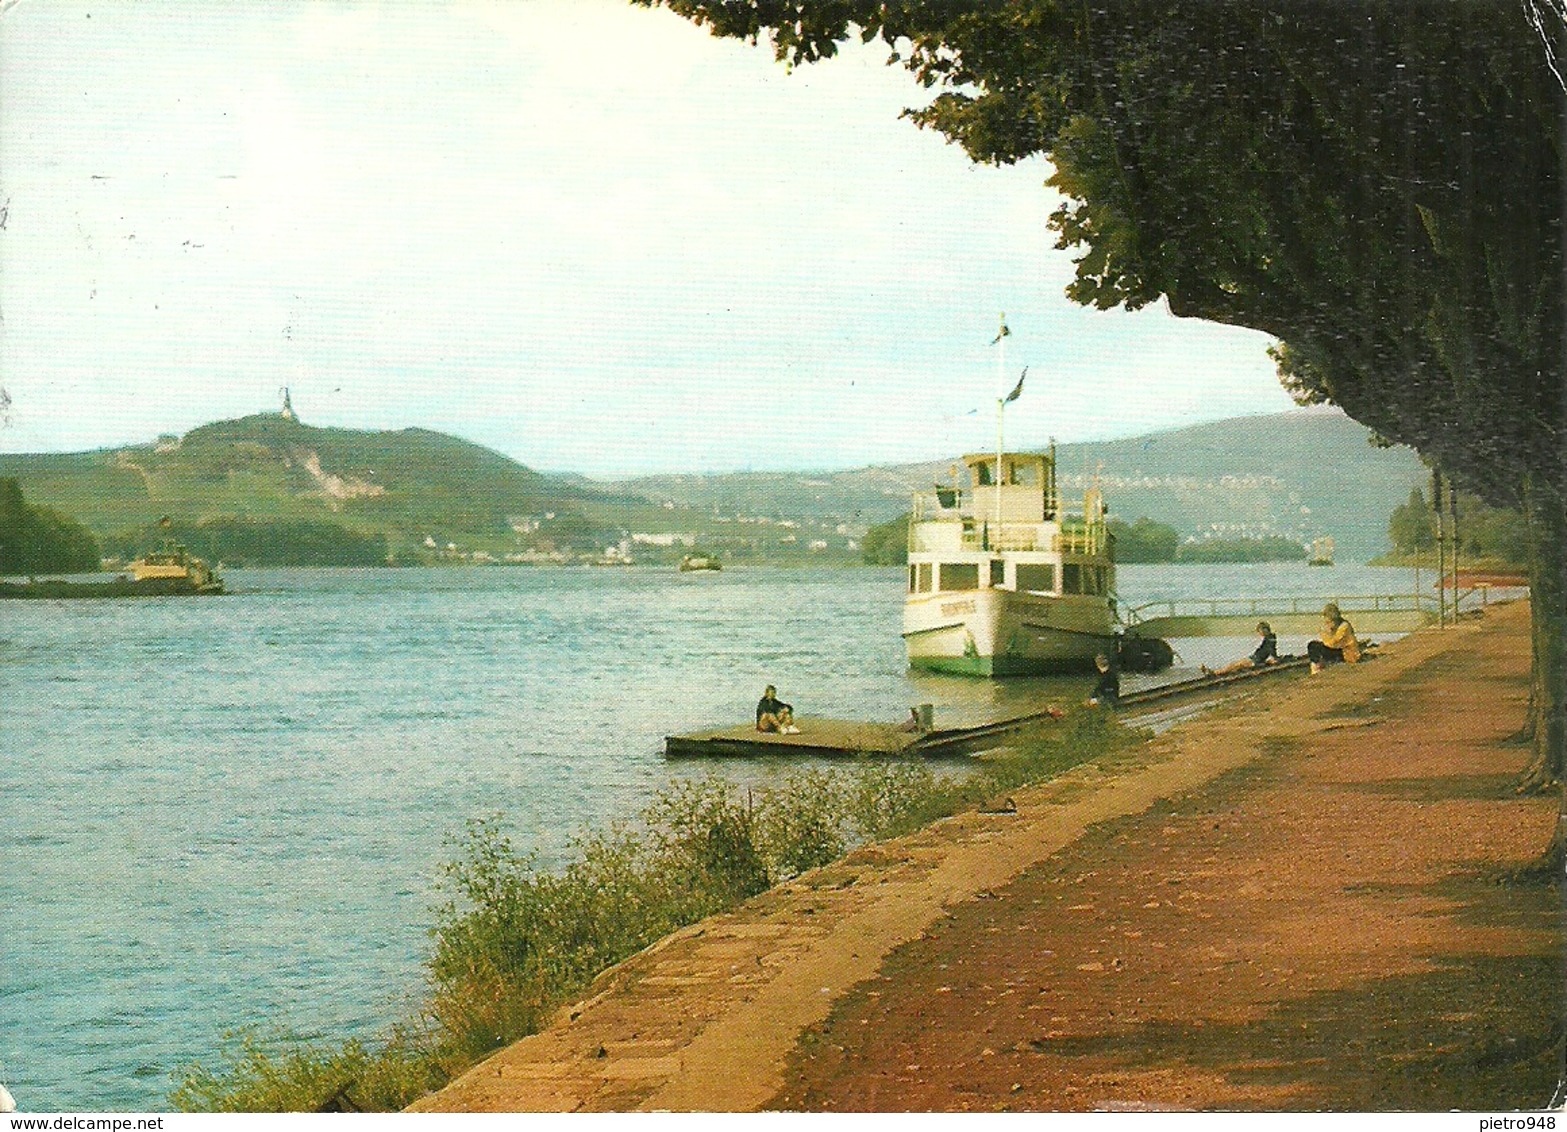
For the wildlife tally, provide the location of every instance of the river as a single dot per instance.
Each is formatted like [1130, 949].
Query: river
[231, 812]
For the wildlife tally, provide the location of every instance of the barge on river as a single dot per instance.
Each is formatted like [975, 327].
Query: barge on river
[169, 572]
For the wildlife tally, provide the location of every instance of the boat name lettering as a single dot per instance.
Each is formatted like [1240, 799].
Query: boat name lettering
[953, 608]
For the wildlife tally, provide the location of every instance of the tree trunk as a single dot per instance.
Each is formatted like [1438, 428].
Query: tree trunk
[1547, 515]
[1548, 610]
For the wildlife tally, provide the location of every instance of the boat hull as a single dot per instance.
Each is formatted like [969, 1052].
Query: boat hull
[997, 632]
[118, 587]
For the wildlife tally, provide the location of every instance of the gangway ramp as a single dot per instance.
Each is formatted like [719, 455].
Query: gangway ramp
[1288, 616]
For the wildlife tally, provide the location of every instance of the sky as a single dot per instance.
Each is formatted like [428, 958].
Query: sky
[587, 235]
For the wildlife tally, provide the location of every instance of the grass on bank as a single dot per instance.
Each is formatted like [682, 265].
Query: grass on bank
[513, 941]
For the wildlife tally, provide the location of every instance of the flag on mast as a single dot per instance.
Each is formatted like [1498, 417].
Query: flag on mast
[1017, 390]
[1002, 333]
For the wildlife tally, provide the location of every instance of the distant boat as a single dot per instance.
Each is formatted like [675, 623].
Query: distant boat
[169, 572]
[174, 570]
[1321, 552]
[693, 562]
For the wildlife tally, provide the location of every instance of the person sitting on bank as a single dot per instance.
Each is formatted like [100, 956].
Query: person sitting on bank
[1106, 693]
[1266, 652]
[1336, 642]
[772, 714]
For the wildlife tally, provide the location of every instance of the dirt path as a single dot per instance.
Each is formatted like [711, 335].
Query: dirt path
[1287, 905]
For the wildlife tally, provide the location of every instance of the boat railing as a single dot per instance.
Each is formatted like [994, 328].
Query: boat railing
[942, 503]
[1277, 606]
[1068, 535]
[1028, 537]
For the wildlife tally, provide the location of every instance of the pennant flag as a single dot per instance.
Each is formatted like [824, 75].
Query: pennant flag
[1004, 332]
[1017, 390]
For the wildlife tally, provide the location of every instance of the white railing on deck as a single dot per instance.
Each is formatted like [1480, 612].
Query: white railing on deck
[1278, 606]
[1069, 535]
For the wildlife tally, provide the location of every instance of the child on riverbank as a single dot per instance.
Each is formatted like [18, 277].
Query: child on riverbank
[1266, 652]
[1106, 693]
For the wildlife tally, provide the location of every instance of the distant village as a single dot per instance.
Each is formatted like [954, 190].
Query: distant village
[824, 540]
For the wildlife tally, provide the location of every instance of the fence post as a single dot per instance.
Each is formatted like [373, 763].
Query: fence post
[1441, 549]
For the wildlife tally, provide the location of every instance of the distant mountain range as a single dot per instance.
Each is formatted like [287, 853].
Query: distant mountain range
[1301, 474]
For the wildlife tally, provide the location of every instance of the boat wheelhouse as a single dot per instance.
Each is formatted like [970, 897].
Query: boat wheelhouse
[173, 569]
[1002, 581]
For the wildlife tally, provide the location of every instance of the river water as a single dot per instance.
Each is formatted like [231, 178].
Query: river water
[231, 812]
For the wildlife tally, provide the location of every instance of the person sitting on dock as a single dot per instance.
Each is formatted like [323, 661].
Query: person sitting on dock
[1336, 643]
[1106, 693]
[1266, 652]
[772, 714]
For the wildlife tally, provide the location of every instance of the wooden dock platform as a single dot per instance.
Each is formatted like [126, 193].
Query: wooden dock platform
[837, 738]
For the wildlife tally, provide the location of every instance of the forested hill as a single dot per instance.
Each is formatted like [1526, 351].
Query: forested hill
[1301, 474]
[409, 485]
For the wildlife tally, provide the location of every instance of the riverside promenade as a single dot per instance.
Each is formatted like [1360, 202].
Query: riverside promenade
[1300, 901]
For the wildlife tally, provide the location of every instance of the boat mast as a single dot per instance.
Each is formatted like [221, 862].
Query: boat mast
[1001, 409]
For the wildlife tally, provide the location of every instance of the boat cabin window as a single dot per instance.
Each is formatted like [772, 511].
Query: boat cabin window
[919, 578]
[983, 473]
[997, 575]
[959, 576]
[1083, 579]
[1036, 577]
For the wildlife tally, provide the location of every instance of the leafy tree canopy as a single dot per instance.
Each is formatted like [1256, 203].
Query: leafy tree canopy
[1493, 534]
[260, 542]
[887, 544]
[1376, 183]
[39, 540]
[1145, 540]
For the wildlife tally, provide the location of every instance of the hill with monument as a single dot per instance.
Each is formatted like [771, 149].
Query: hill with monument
[430, 496]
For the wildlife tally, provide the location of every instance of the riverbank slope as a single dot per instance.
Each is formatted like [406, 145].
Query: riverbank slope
[1291, 903]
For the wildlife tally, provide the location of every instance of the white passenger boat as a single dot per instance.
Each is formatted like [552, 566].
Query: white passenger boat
[1002, 581]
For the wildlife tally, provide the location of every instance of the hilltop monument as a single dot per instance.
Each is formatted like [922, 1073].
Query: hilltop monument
[288, 413]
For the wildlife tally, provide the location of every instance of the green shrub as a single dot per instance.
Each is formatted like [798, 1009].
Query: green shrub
[512, 942]
[282, 1074]
[705, 832]
[802, 823]
[889, 799]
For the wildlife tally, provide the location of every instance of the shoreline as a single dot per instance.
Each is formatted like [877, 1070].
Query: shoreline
[716, 1016]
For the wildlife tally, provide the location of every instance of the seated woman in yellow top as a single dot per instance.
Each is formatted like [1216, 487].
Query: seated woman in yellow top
[1336, 643]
